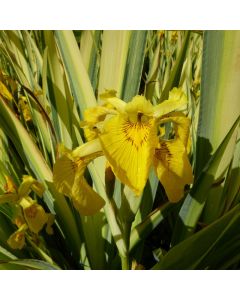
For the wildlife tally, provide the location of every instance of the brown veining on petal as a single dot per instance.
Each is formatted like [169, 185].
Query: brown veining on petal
[163, 154]
[136, 133]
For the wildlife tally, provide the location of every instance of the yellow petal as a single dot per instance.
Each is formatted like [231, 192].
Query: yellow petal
[139, 104]
[88, 150]
[181, 125]
[173, 168]
[28, 183]
[68, 178]
[61, 150]
[90, 132]
[85, 199]
[38, 188]
[129, 148]
[5, 92]
[95, 114]
[177, 100]
[18, 220]
[24, 107]
[92, 116]
[35, 217]
[108, 94]
[10, 186]
[64, 171]
[17, 239]
[110, 97]
[66, 167]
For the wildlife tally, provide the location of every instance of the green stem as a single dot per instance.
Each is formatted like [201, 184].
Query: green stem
[125, 262]
[126, 233]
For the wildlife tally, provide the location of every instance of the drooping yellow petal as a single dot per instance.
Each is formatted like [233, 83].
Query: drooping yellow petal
[64, 171]
[181, 125]
[68, 178]
[66, 167]
[34, 214]
[85, 199]
[177, 100]
[129, 148]
[173, 168]
[35, 217]
[17, 239]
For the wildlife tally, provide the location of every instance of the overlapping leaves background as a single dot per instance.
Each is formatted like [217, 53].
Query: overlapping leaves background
[56, 75]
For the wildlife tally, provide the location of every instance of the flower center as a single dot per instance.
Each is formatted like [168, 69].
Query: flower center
[136, 133]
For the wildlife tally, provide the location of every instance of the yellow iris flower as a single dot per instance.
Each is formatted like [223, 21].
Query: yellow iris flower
[130, 137]
[17, 239]
[31, 216]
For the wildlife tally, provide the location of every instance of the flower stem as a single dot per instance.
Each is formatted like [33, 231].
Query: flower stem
[125, 262]
[126, 233]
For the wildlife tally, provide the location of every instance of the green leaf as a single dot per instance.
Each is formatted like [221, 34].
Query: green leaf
[35, 162]
[219, 108]
[194, 202]
[60, 102]
[79, 80]
[89, 48]
[32, 264]
[115, 46]
[134, 64]
[205, 249]
[142, 230]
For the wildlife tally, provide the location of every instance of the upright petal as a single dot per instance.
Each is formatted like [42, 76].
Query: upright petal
[139, 104]
[177, 100]
[28, 183]
[129, 148]
[92, 117]
[110, 97]
[173, 168]
[181, 125]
